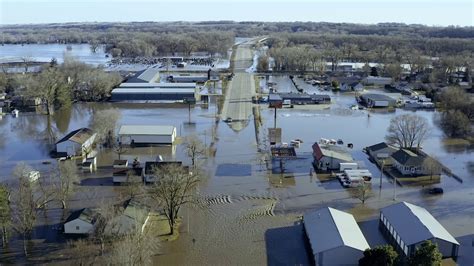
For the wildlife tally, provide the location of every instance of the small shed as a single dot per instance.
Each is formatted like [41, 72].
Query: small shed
[81, 222]
[77, 142]
[334, 237]
[147, 134]
[407, 226]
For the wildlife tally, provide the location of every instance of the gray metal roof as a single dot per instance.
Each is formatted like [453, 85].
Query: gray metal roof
[146, 130]
[329, 228]
[377, 97]
[408, 158]
[148, 75]
[415, 224]
[157, 85]
[153, 90]
[336, 152]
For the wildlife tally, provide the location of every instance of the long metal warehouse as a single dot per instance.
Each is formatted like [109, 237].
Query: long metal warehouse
[152, 94]
[407, 226]
[147, 134]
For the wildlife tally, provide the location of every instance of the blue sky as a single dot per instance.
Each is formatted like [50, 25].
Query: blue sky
[428, 12]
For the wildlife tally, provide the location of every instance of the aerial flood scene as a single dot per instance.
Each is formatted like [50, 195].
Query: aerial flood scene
[237, 133]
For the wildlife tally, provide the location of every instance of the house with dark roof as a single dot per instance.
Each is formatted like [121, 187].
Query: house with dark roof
[81, 222]
[353, 86]
[407, 226]
[380, 151]
[410, 163]
[77, 142]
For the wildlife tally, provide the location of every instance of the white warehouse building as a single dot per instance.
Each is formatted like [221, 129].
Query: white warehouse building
[147, 134]
[334, 237]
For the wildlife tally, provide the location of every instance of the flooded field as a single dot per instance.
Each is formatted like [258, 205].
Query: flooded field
[252, 214]
[44, 53]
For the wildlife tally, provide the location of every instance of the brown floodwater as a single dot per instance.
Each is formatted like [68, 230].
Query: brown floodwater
[252, 213]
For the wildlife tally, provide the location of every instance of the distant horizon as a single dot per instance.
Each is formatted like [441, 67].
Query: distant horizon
[236, 21]
[435, 13]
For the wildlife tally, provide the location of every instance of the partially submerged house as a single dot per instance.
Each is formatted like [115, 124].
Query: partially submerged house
[334, 237]
[127, 175]
[81, 222]
[411, 163]
[147, 134]
[329, 157]
[380, 151]
[354, 86]
[407, 226]
[149, 172]
[77, 142]
[131, 216]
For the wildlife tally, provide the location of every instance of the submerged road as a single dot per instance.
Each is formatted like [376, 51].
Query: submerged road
[238, 98]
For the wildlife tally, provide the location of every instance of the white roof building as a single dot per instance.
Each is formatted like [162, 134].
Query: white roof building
[147, 134]
[335, 237]
[407, 226]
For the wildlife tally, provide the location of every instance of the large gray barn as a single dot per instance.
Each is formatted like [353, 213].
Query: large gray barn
[407, 226]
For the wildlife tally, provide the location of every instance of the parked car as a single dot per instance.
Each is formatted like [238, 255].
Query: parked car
[435, 190]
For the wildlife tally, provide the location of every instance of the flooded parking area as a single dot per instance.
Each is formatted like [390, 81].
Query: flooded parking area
[249, 207]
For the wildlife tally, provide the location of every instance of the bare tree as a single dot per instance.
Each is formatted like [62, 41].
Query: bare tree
[27, 59]
[83, 252]
[24, 204]
[407, 131]
[363, 192]
[172, 190]
[50, 87]
[65, 177]
[104, 123]
[195, 149]
[119, 149]
[103, 225]
[432, 166]
[5, 213]
[136, 248]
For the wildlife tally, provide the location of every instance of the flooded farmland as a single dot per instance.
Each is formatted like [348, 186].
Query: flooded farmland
[249, 211]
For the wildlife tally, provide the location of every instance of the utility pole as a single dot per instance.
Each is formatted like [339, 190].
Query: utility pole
[275, 118]
[394, 187]
[381, 173]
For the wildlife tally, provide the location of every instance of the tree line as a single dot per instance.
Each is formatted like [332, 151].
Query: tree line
[437, 59]
[58, 85]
